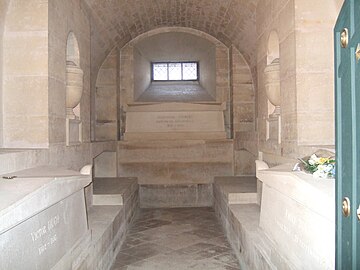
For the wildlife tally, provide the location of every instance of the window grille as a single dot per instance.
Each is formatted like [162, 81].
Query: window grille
[175, 71]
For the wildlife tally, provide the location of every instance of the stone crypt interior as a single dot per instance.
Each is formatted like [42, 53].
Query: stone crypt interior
[161, 134]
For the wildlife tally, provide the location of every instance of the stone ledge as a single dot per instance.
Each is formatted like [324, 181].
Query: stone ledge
[109, 223]
[113, 190]
[108, 229]
[252, 247]
[154, 136]
[236, 189]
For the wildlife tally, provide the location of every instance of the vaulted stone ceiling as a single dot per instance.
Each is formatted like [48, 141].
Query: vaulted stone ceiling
[116, 22]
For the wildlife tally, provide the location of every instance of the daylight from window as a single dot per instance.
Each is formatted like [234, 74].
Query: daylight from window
[180, 71]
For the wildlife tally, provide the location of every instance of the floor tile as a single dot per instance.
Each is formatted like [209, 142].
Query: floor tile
[176, 239]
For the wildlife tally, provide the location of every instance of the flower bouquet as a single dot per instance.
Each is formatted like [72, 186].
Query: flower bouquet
[319, 167]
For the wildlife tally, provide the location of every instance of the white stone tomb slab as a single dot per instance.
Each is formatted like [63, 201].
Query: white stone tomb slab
[41, 219]
[298, 215]
[178, 121]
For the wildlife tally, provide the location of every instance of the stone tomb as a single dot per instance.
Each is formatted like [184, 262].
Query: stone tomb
[298, 215]
[175, 121]
[42, 219]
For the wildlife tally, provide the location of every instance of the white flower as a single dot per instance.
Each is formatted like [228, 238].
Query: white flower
[313, 159]
[320, 172]
[328, 168]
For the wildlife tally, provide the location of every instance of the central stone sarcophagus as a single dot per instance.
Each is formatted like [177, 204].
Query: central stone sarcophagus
[175, 121]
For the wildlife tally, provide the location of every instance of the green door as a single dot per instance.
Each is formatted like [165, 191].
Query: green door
[347, 92]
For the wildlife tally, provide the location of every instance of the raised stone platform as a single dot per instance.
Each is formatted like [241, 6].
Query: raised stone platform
[175, 173]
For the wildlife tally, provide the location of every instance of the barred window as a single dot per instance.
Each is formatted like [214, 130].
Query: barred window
[175, 71]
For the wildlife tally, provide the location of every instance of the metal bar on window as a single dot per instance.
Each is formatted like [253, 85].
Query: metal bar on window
[175, 71]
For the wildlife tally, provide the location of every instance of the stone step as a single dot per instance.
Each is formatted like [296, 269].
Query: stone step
[175, 162]
[108, 229]
[175, 196]
[236, 189]
[113, 190]
[175, 151]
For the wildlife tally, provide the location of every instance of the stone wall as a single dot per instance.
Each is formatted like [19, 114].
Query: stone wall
[106, 99]
[314, 70]
[305, 41]
[243, 110]
[25, 80]
[33, 62]
[3, 8]
[66, 17]
[277, 16]
[34, 77]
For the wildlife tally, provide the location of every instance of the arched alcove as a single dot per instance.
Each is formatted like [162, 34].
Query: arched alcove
[174, 47]
[74, 77]
[74, 90]
[272, 86]
[273, 50]
[72, 50]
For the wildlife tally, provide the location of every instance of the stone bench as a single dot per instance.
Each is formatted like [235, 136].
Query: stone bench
[115, 201]
[235, 203]
[113, 190]
[236, 189]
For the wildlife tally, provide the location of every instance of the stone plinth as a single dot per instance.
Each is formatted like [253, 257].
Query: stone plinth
[175, 162]
[73, 131]
[175, 121]
[174, 196]
[273, 129]
[42, 218]
[298, 214]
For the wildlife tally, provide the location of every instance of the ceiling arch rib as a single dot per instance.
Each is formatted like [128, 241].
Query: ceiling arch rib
[116, 22]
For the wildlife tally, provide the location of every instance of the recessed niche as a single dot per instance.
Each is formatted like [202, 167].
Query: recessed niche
[272, 86]
[74, 90]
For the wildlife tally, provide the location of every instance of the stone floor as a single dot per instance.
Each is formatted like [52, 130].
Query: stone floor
[176, 239]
